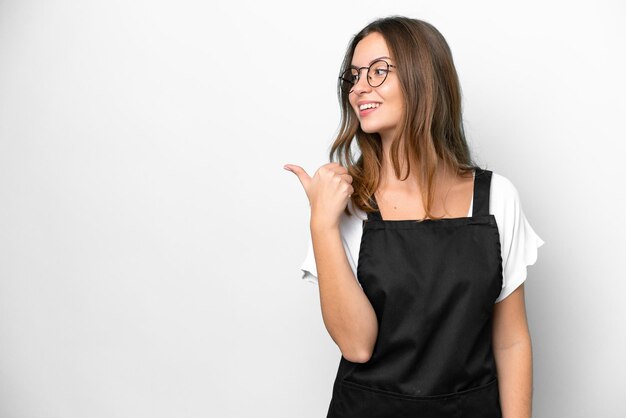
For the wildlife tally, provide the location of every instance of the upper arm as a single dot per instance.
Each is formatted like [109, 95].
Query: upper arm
[518, 240]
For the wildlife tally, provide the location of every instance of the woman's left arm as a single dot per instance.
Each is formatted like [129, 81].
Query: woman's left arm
[513, 354]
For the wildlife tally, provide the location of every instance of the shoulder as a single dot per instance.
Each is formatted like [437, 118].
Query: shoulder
[504, 200]
[506, 206]
[502, 190]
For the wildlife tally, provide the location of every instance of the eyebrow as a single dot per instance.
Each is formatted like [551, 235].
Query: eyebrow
[370, 63]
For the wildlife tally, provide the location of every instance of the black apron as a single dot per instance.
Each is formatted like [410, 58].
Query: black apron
[433, 285]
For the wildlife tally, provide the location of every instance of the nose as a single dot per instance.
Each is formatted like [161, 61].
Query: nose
[362, 86]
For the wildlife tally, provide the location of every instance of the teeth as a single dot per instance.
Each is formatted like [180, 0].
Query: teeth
[368, 106]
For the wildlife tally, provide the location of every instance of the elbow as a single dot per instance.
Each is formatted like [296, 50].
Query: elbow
[359, 351]
[357, 356]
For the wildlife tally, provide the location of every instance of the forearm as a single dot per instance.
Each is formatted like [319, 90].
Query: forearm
[347, 313]
[515, 379]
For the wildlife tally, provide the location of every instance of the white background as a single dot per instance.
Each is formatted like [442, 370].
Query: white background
[150, 240]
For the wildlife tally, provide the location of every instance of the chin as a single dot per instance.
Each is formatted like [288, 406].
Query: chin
[371, 128]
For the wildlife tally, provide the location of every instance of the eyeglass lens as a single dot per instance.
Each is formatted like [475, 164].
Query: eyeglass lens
[376, 75]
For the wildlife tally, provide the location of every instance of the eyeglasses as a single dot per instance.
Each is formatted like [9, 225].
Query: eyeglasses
[376, 75]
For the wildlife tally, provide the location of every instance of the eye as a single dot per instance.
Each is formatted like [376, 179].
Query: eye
[348, 79]
[350, 76]
[353, 76]
[379, 69]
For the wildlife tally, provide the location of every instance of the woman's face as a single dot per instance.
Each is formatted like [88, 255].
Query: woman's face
[387, 98]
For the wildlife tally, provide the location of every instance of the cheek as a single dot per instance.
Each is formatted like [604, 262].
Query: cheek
[391, 94]
[353, 104]
[355, 109]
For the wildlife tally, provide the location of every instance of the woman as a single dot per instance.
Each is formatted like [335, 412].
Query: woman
[431, 320]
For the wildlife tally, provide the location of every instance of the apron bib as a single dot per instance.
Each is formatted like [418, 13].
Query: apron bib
[433, 285]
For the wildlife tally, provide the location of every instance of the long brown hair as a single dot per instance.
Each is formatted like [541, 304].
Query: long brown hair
[431, 122]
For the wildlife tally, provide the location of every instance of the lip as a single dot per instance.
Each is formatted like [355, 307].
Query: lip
[367, 111]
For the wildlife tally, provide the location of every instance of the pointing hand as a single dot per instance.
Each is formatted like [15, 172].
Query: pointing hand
[328, 191]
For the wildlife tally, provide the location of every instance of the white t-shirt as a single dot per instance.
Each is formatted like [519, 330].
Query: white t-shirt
[518, 240]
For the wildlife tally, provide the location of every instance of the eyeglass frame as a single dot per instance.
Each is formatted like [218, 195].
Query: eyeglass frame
[358, 69]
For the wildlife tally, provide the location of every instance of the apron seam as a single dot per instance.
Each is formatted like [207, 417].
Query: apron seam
[443, 396]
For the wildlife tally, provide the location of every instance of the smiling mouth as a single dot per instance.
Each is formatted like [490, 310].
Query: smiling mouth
[367, 108]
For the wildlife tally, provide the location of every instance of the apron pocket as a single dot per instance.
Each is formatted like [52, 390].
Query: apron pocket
[362, 401]
[482, 401]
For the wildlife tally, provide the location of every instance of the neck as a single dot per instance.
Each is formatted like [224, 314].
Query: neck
[388, 176]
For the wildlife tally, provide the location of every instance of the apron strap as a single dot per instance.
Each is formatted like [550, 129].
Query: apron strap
[482, 186]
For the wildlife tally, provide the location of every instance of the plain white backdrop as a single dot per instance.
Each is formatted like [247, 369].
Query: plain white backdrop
[150, 240]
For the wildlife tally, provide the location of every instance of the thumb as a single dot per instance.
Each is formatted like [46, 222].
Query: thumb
[304, 178]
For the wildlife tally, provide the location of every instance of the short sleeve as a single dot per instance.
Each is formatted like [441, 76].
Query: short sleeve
[350, 228]
[308, 267]
[518, 240]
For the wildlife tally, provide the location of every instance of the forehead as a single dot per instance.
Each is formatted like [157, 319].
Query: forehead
[369, 48]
